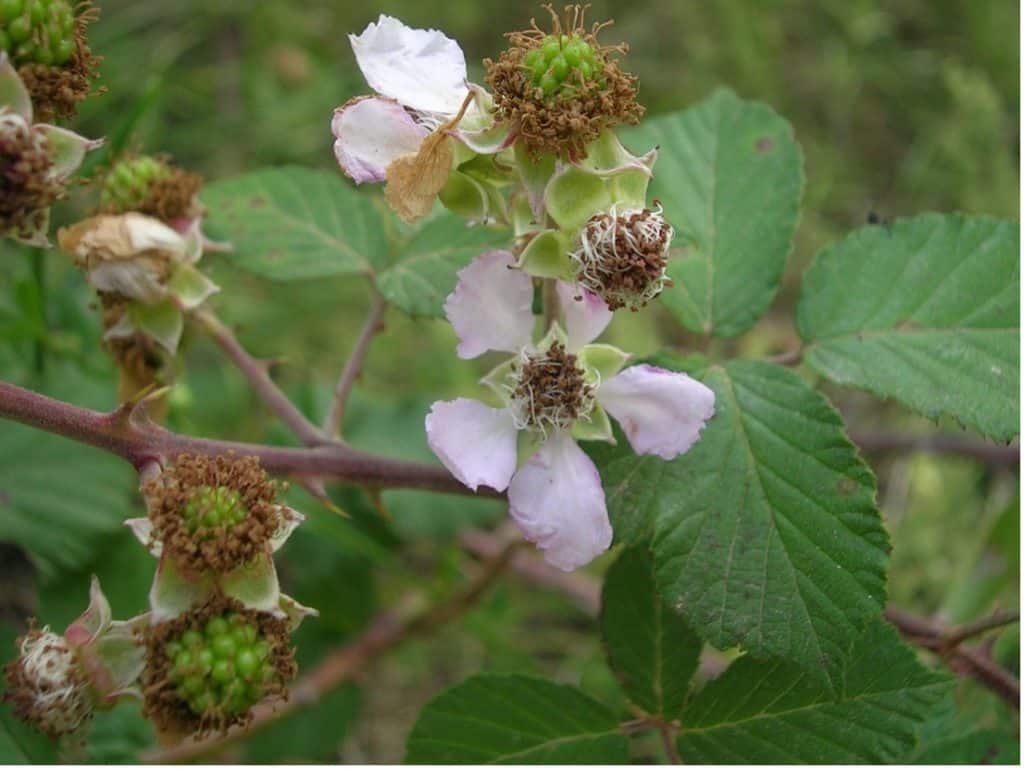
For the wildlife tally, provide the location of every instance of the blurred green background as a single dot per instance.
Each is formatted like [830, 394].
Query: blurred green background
[900, 107]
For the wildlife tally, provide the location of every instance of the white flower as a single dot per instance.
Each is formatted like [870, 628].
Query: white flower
[422, 93]
[558, 391]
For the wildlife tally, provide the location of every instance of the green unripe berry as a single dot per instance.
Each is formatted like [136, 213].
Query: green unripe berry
[20, 29]
[559, 68]
[549, 84]
[224, 647]
[211, 506]
[223, 667]
[9, 9]
[550, 47]
[38, 31]
[126, 186]
[559, 63]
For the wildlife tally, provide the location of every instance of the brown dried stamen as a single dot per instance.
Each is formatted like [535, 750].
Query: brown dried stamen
[223, 547]
[163, 703]
[564, 124]
[622, 257]
[548, 390]
[46, 686]
[27, 186]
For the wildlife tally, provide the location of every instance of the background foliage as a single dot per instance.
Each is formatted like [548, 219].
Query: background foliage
[899, 107]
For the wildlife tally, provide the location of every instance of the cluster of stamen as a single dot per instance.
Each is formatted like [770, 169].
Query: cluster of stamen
[213, 513]
[560, 90]
[621, 256]
[46, 684]
[206, 668]
[28, 186]
[548, 391]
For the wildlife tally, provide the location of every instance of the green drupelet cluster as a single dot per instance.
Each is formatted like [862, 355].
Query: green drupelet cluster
[559, 61]
[212, 506]
[37, 31]
[226, 667]
[127, 185]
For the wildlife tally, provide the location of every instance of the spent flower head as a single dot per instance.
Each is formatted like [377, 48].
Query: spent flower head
[58, 681]
[144, 270]
[214, 514]
[559, 89]
[36, 160]
[554, 392]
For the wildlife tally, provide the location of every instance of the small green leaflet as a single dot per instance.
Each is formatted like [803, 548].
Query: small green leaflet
[730, 176]
[424, 271]
[515, 719]
[765, 534]
[650, 648]
[766, 712]
[292, 223]
[925, 310]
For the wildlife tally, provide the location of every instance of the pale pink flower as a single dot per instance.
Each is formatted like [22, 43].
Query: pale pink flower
[419, 76]
[553, 393]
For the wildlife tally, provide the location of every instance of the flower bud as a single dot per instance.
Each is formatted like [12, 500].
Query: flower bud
[559, 90]
[621, 256]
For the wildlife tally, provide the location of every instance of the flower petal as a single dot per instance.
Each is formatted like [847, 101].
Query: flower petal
[662, 412]
[370, 133]
[475, 442]
[585, 313]
[491, 307]
[421, 68]
[557, 500]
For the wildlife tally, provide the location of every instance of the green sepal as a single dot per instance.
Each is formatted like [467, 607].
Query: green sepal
[172, 593]
[497, 377]
[534, 174]
[597, 428]
[66, 149]
[189, 287]
[602, 360]
[547, 256]
[573, 196]
[523, 221]
[254, 585]
[13, 93]
[163, 322]
[528, 443]
[464, 196]
[554, 334]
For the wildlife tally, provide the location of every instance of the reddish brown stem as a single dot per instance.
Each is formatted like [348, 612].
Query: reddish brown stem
[349, 374]
[130, 436]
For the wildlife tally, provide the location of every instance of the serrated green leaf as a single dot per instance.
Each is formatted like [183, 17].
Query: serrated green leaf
[514, 719]
[952, 736]
[650, 648]
[774, 713]
[924, 310]
[292, 223]
[730, 176]
[59, 500]
[765, 534]
[424, 272]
